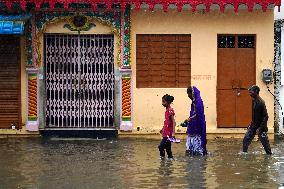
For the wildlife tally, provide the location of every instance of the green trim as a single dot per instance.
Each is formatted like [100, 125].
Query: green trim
[33, 75]
[32, 118]
[126, 118]
[126, 76]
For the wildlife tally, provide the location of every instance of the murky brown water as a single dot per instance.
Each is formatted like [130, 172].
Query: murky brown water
[124, 163]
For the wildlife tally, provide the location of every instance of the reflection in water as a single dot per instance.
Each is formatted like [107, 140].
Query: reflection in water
[195, 172]
[165, 174]
[44, 163]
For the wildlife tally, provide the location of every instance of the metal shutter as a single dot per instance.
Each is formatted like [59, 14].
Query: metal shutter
[9, 81]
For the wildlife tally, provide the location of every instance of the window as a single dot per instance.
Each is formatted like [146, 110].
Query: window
[246, 41]
[242, 41]
[226, 41]
[163, 61]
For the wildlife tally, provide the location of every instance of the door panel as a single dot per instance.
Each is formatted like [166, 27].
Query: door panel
[243, 109]
[245, 70]
[226, 68]
[226, 110]
[246, 78]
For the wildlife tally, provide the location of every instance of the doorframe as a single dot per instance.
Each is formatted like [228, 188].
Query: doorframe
[42, 97]
[236, 43]
[20, 82]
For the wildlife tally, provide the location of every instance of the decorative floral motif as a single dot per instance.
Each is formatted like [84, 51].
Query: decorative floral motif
[28, 49]
[126, 38]
[79, 23]
[31, 52]
[111, 19]
[126, 97]
[32, 92]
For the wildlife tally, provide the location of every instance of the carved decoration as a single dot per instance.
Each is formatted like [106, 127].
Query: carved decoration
[32, 92]
[126, 97]
[79, 23]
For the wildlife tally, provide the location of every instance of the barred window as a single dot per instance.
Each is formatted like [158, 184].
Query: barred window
[236, 41]
[163, 61]
[226, 41]
[246, 41]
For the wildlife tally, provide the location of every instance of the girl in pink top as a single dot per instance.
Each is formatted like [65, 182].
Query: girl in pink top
[168, 130]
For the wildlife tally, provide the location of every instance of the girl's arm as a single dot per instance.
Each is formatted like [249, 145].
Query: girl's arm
[174, 124]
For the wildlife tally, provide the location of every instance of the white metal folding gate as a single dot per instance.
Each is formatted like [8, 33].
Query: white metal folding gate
[79, 78]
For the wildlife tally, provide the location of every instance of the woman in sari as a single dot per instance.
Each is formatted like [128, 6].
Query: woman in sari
[196, 124]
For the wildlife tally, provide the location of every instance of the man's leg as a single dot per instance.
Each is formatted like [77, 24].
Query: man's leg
[265, 142]
[248, 138]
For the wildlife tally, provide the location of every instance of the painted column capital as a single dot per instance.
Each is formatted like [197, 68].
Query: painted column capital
[125, 71]
[31, 70]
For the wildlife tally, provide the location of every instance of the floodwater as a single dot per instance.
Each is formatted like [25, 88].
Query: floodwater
[134, 163]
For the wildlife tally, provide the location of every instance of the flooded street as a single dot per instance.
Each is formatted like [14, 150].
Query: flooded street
[134, 163]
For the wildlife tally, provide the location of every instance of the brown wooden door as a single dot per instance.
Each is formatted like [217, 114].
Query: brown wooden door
[236, 73]
[9, 81]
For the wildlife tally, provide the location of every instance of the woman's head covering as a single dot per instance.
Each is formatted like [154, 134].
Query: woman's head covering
[195, 93]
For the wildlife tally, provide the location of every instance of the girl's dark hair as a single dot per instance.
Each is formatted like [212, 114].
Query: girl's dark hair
[189, 90]
[168, 98]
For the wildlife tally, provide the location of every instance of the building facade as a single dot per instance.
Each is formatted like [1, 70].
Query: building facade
[103, 67]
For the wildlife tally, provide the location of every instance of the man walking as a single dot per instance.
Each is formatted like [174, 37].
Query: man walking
[259, 122]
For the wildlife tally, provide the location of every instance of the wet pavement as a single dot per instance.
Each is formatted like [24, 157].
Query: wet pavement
[134, 163]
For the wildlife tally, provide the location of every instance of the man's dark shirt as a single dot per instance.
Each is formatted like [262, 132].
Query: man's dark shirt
[259, 114]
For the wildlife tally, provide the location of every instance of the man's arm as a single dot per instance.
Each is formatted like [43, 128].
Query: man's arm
[264, 118]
